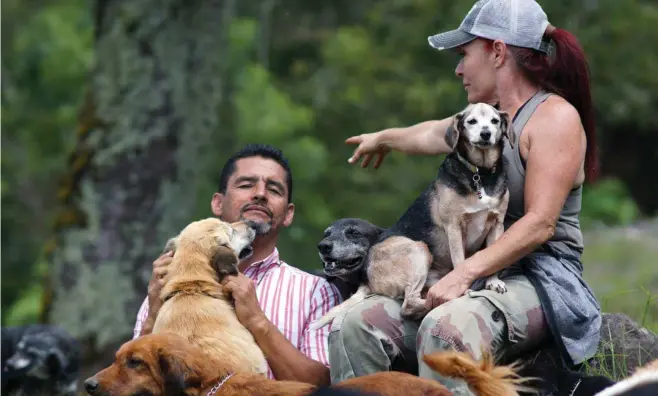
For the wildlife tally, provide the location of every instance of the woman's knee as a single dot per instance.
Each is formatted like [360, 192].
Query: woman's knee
[465, 324]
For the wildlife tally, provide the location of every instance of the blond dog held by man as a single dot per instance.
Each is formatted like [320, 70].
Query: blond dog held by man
[194, 303]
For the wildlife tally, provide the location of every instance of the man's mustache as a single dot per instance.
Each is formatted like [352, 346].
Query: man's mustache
[256, 206]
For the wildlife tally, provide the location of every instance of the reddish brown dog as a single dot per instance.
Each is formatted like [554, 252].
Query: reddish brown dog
[166, 364]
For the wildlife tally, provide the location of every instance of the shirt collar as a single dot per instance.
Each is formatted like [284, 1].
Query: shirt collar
[256, 271]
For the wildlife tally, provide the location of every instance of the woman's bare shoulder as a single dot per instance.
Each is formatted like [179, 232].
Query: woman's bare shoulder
[556, 116]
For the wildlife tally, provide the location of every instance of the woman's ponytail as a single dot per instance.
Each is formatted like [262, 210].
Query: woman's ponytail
[566, 73]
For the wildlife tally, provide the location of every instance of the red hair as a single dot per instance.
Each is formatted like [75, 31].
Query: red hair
[567, 75]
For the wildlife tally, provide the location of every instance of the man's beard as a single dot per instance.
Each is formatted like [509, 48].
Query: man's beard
[261, 228]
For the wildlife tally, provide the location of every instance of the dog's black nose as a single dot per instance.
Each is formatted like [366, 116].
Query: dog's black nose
[485, 135]
[91, 385]
[324, 247]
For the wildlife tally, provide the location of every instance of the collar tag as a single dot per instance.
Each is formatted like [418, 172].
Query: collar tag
[476, 174]
[215, 388]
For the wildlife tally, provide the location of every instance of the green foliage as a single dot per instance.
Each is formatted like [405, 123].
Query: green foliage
[263, 111]
[620, 266]
[46, 58]
[608, 202]
[26, 309]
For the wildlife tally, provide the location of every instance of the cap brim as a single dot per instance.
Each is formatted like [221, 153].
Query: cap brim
[451, 39]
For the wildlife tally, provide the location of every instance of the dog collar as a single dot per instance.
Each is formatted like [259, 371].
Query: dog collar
[177, 292]
[215, 388]
[470, 166]
[476, 174]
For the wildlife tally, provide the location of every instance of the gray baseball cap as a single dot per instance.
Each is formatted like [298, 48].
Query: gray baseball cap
[521, 23]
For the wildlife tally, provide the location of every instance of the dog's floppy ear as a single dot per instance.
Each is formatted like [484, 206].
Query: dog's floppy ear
[224, 261]
[56, 361]
[178, 377]
[452, 133]
[170, 246]
[507, 128]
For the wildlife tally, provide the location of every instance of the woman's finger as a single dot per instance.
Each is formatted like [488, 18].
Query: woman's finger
[354, 139]
[366, 160]
[378, 162]
[355, 156]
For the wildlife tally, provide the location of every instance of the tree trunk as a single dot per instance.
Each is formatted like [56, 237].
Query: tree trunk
[144, 137]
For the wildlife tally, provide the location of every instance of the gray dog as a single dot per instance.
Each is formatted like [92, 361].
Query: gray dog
[460, 212]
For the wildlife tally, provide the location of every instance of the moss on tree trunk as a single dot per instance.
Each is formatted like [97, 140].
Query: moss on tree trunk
[144, 136]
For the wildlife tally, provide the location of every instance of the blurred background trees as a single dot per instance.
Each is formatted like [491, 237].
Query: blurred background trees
[117, 117]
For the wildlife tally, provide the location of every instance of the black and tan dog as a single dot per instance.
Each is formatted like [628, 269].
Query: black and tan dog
[460, 212]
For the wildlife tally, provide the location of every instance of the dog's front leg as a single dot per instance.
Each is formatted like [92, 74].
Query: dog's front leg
[455, 235]
[493, 282]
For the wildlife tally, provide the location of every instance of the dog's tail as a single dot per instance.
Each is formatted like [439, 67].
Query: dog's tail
[483, 377]
[339, 309]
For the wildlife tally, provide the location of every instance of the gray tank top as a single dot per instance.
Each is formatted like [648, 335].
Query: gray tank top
[568, 239]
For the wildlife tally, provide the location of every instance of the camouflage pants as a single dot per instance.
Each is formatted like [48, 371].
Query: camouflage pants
[373, 337]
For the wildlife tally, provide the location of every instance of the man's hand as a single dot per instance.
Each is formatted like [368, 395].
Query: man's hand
[155, 287]
[285, 360]
[243, 292]
[453, 285]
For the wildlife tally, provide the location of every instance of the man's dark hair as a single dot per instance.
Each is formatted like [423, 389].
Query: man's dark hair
[256, 150]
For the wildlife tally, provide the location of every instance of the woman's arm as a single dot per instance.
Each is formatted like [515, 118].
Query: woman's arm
[425, 138]
[555, 156]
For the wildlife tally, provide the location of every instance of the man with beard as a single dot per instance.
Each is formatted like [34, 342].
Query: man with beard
[273, 300]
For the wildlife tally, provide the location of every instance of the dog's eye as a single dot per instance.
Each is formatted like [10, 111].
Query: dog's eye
[133, 362]
[472, 121]
[351, 232]
[494, 121]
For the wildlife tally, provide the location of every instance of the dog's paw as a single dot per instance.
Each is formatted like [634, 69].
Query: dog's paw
[415, 310]
[319, 323]
[495, 284]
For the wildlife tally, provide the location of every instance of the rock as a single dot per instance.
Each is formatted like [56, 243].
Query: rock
[624, 346]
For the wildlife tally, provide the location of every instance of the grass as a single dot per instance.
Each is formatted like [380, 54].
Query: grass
[620, 266]
[614, 363]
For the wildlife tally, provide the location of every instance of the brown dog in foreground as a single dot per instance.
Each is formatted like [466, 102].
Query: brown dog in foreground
[194, 304]
[165, 364]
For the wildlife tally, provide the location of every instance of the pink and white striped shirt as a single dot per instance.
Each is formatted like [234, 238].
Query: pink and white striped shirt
[291, 299]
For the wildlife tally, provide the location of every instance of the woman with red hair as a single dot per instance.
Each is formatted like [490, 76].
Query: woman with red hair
[510, 56]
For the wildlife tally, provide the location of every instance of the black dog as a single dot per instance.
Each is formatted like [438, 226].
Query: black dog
[39, 360]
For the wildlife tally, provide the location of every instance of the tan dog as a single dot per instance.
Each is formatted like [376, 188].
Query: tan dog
[165, 364]
[194, 304]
